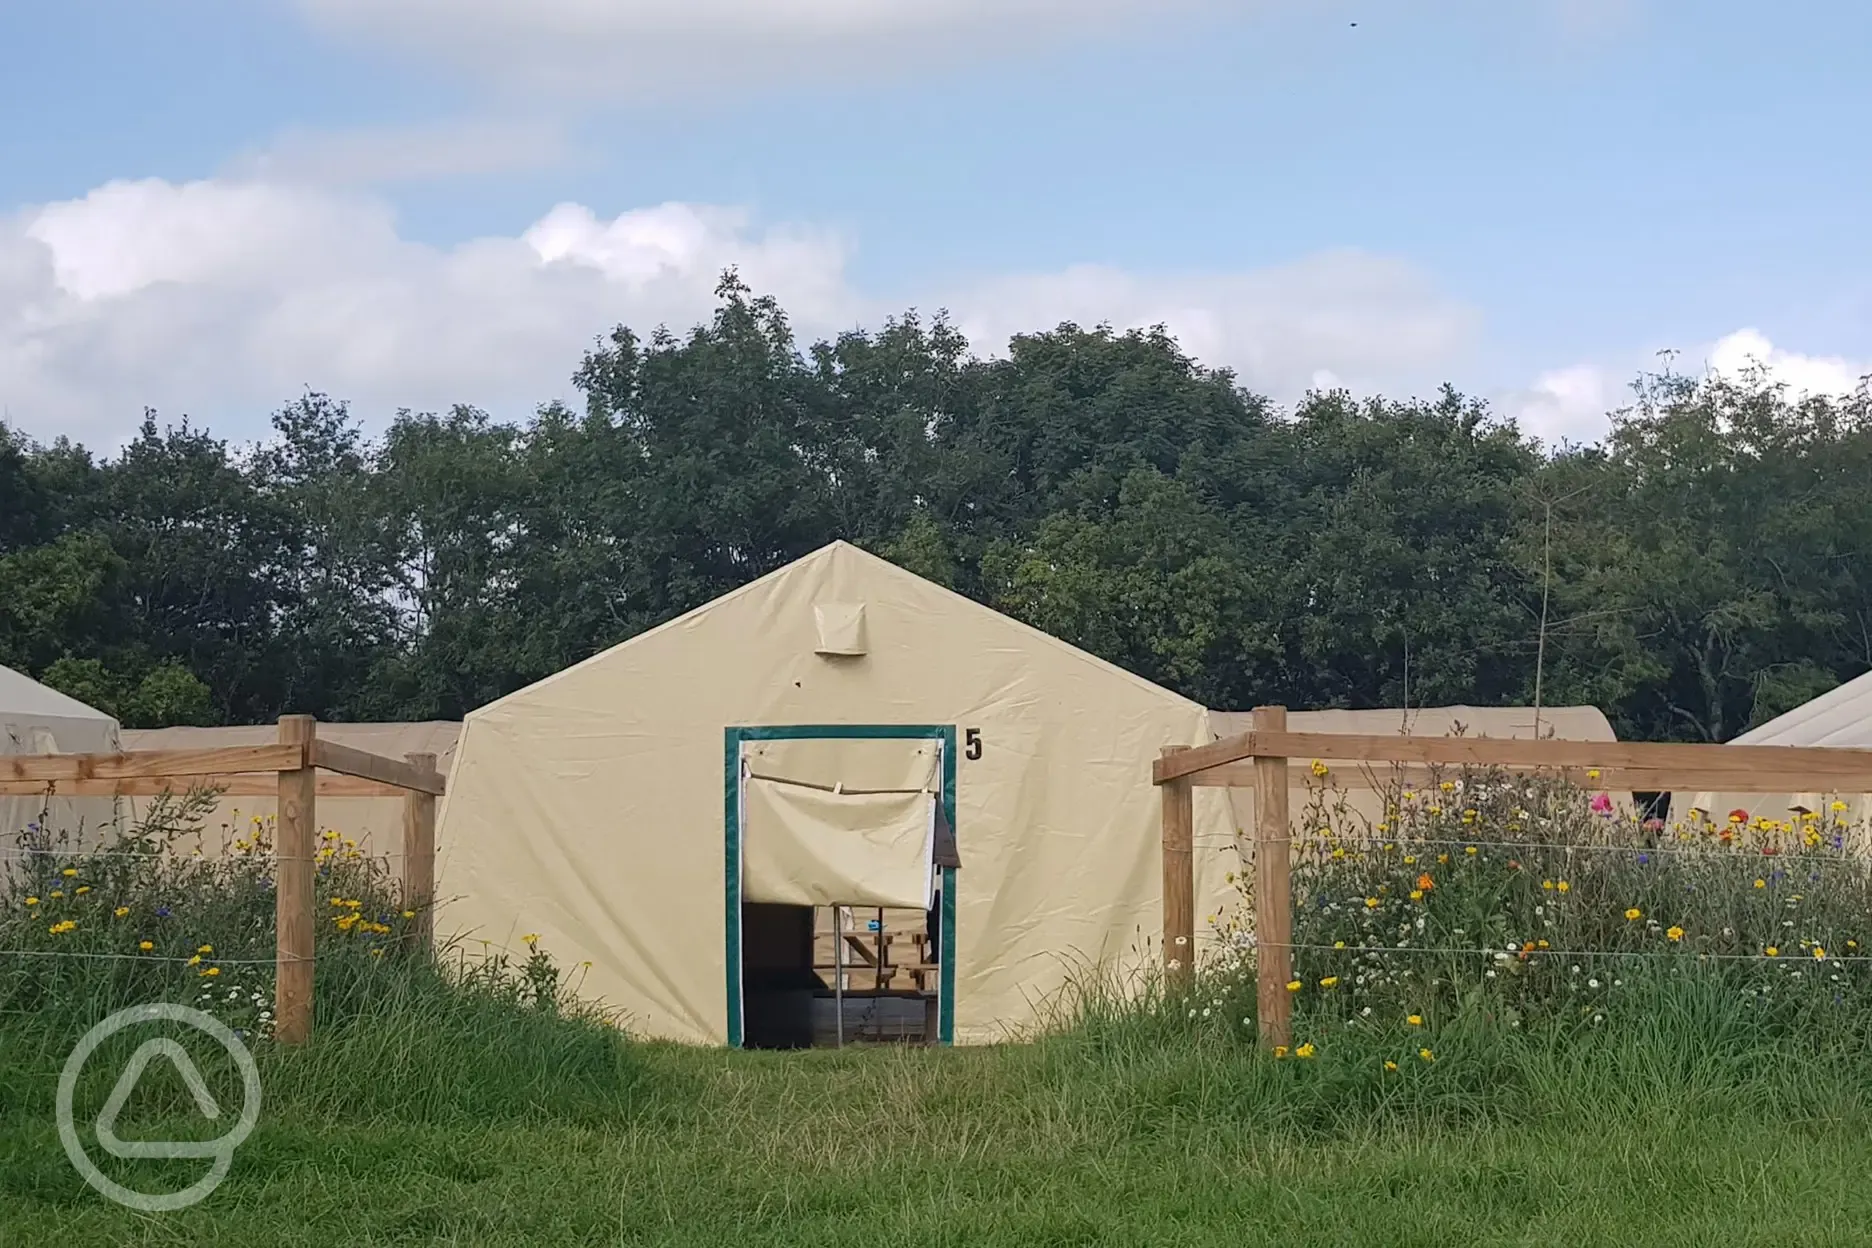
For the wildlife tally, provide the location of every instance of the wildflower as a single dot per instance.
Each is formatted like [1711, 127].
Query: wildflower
[1563, 886]
[57, 893]
[1772, 952]
[1443, 858]
[1425, 882]
[1839, 806]
[1819, 954]
[1593, 774]
[70, 873]
[410, 914]
[59, 929]
[378, 953]
[1738, 816]
[1547, 884]
[1448, 786]
[1634, 914]
[1470, 850]
[1761, 883]
[205, 949]
[212, 971]
[1294, 985]
[195, 961]
[120, 911]
[532, 938]
[82, 890]
[1601, 804]
[1319, 768]
[1371, 903]
[1415, 1020]
[162, 912]
[1427, 1055]
[337, 901]
[1390, 1065]
[1330, 981]
[1675, 933]
[1416, 894]
[145, 945]
[32, 901]
[1305, 1050]
[1280, 1050]
[1410, 860]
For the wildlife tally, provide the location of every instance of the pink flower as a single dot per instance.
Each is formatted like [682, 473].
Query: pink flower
[1602, 804]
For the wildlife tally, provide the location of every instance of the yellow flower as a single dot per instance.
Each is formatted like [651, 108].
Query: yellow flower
[1410, 860]
[1338, 944]
[409, 914]
[1761, 883]
[1547, 884]
[82, 890]
[1819, 954]
[1416, 894]
[1305, 1050]
[1772, 952]
[32, 901]
[120, 911]
[70, 873]
[1675, 933]
[1839, 805]
[1427, 1055]
[1448, 786]
[1371, 903]
[328, 835]
[1634, 914]
[353, 904]
[1442, 858]
[1592, 773]
[1468, 816]
[57, 893]
[195, 961]
[1390, 1065]
[59, 929]
[1280, 1050]
[1319, 768]
[1415, 1020]
[205, 949]
[212, 971]
[145, 945]
[376, 953]
[1329, 981]
[1294, 985]
[531, 938]
[1338, 854]
[1470, 850]
[1564, 887]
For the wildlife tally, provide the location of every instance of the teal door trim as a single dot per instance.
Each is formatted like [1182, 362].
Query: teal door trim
[732, 741]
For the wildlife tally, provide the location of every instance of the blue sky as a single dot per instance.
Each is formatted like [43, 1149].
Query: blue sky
[207, 206]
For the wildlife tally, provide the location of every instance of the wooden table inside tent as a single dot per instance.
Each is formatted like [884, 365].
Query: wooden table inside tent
[886, 953]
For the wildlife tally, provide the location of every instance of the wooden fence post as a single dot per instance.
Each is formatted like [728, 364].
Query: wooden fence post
[292, 889]
[1179, 882]
[419, 813]
[1273, 891]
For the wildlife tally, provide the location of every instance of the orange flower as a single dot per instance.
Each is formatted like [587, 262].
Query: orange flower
[1425, 882]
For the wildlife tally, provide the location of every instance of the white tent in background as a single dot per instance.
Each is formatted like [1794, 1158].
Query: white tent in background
[36, 719]
[1841, 718]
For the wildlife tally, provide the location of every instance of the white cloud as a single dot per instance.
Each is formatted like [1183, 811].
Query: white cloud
[381, 154]
[620, 47]
[223, 298]
[1574, 403]
[1748, 350]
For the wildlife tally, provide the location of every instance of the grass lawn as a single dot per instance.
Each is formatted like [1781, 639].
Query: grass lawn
[1126, 1132]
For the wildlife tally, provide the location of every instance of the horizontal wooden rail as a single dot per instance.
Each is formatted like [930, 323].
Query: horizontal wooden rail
[1780, 768]
[144, 764]
[239, 785]
[344, 760]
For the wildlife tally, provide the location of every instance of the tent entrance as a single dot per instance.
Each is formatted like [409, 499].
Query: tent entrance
[841, 884]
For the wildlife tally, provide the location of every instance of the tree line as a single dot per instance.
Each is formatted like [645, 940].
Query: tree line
[1706, 566]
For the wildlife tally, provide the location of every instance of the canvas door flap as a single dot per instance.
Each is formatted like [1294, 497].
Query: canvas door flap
[806, 846]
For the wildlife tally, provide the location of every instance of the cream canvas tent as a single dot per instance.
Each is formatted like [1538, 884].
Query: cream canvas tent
[811, 732]
[1509, 723]
[1839, 717]
[375, 823]
[36, 719]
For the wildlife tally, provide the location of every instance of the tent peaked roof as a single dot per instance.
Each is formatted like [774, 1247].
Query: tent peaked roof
[24, 698]
[1838, 717]
[872, 566]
